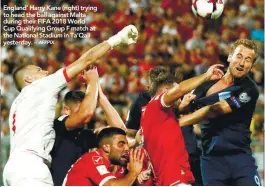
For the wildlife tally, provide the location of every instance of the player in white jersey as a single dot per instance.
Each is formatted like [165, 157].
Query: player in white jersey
[33, 111]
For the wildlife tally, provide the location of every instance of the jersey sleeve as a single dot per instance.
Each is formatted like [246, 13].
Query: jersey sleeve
[159, 100]
[59, 124]
[54, 82]
[157, 109]
[245, 99]
[134, 114]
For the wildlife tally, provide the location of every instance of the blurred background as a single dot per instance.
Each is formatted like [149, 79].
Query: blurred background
[169, 35]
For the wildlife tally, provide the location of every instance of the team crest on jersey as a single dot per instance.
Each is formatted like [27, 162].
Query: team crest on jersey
[97, 160]
[244, 98]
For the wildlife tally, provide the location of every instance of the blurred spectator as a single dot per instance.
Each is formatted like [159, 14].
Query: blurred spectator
[258, 32]
[10, 60]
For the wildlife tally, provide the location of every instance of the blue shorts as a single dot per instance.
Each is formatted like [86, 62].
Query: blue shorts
[235, 169]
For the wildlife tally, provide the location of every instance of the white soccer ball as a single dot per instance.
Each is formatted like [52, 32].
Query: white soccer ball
[208, 8]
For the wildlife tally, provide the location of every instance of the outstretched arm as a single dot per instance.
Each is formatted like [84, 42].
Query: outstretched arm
[127, 35]
[205, 113]
[186, 86]
[87, 107]
[112, 116]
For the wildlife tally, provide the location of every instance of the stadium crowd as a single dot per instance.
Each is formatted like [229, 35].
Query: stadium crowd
[169, 35]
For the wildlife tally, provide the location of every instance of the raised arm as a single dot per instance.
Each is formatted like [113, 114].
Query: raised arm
[186, 86]
[127, 35]
[112, 116]
[232, 104]
[87, 107]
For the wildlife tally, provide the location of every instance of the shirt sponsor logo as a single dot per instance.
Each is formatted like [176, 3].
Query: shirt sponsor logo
[102, 170]
[97, 160]
[244, 98]
[236, 102]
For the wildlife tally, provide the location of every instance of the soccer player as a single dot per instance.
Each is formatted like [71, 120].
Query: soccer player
[114, 120]
[95, 168]
[133, 125]
[163, 139]
[72, 139]
[32, 113]
[227, 158]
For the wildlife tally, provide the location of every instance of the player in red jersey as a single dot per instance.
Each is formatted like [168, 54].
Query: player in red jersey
[162, 135]
[95, 168]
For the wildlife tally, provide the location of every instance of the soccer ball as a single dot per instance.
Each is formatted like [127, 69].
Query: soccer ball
[212, 9]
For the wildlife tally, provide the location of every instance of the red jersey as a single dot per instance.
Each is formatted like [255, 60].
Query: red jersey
[89, 170]
[165, 145]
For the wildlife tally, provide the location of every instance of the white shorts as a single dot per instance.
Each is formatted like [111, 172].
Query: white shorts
[25, 168]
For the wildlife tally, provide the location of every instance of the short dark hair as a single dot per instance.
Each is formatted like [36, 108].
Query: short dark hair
[160, 76]
[109, 132]
[247, 43]
[74, 96]
[17, 69]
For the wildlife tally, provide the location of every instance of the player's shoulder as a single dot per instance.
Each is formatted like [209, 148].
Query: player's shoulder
[59, 123]
[94, 157]
[61, 119]
[143, 98]
[145, 95]
[250, 83]
[157, 97]
[249, 90]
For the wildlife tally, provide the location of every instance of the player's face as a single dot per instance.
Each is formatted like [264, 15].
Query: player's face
[241, 61]
[119, 150]
[35, 73]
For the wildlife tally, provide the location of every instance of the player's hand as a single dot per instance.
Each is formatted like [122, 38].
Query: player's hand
[214, 73]
[128, 35]
[186, 101]
[135, 164]
[144, 176]
[91, 74]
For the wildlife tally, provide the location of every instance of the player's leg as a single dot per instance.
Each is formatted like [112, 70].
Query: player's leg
[244, 170]
[214, 170]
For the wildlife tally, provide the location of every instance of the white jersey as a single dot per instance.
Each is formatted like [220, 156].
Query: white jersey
[32, 114]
